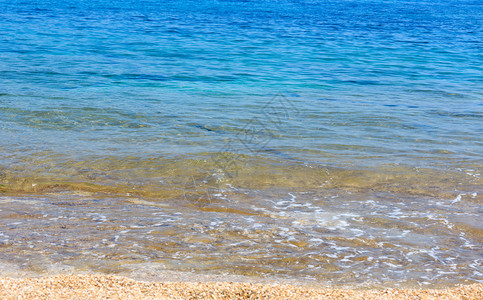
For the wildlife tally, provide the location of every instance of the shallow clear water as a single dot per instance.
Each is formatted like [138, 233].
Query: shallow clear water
[334, 142]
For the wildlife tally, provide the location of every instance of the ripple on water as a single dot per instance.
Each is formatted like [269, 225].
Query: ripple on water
[384, 242]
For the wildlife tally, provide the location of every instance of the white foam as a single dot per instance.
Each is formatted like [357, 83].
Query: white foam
[457, 199]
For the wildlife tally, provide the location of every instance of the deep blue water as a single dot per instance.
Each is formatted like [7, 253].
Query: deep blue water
[395, 79]
[376, 99]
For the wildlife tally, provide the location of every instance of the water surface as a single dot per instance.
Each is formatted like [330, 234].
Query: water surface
[334, 142]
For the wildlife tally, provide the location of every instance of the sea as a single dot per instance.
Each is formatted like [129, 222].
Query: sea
[333, 143]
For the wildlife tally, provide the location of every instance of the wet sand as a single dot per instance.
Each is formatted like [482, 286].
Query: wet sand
[116, 287]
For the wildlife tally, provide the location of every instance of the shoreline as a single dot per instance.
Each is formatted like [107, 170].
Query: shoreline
[83, 286]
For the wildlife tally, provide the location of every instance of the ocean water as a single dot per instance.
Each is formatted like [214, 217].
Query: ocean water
[332, 142]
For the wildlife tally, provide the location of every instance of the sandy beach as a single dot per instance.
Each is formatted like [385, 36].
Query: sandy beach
[116, 287]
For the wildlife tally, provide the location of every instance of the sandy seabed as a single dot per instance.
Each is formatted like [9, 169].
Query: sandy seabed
[116, 287]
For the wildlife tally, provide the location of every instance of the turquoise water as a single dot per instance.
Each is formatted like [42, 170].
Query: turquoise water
[245, 115]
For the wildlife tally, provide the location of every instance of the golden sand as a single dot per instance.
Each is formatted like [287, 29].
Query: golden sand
[116, 287]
